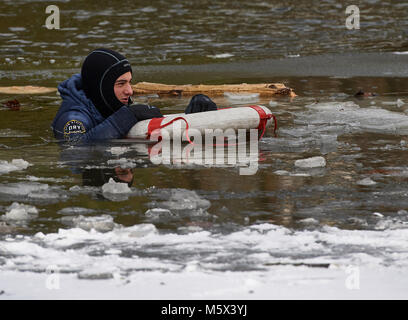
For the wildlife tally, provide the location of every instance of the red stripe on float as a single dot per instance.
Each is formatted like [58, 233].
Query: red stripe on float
[154, 123]
[263, 119]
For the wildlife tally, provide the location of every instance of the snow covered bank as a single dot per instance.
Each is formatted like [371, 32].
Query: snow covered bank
[262, 261]
[280, 282]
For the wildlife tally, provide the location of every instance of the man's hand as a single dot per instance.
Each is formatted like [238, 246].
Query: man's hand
[144, 112]
[200, 103]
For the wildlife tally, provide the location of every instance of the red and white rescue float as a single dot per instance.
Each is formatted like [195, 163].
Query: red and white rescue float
[250, 117]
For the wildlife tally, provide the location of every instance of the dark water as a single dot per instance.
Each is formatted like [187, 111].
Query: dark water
[188, 32]
[304, 45]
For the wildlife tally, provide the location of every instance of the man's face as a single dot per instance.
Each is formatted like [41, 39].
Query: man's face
[122, 88]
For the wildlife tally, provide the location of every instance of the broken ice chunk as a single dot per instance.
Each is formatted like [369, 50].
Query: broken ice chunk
[313, 162]
[115, 187]
[366, 182]
[101, 223]
[15, 164]
[119, 150]
[75, 210]
[220, 56]
[19, 211]
[241, 96]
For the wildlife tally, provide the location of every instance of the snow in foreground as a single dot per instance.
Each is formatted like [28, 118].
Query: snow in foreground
[256, 262]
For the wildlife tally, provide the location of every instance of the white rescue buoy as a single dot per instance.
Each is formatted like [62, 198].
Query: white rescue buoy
[250, 117]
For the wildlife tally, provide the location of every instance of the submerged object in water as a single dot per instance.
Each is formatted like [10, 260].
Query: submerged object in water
[251, 117]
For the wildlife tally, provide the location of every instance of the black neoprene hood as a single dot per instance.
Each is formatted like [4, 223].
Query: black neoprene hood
[100, 70]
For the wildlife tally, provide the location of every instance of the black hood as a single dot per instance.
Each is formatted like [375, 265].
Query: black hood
[99, 72]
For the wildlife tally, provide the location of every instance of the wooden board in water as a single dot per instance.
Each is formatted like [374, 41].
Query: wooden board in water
[141, 88]
[26, 90]
[264, 89]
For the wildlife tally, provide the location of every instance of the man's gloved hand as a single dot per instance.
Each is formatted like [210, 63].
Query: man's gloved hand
[144, 112]
[200, 103]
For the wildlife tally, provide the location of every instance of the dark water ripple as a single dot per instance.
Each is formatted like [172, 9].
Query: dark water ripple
[191, 32]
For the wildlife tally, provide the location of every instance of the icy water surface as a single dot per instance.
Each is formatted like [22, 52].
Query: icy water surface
[59, 206]
[191, 32]
[60, 210]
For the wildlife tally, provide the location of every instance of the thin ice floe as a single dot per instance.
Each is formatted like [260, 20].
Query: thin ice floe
[10, 133]
[355, 118]
[161, 214]
[119, 150]
[14, 165]
[366, 182]
[242, 97]
[31, 192]
[174, 203]
[123, 163]
[56, 180]
[115, 187]
[399, 103]
[273, 103]
[221, 56]
[84, 189]
[101, 223]
[17, 212]
[313, 162]
[117, 191]
[299, 141]
[22, 189]
[75, 211]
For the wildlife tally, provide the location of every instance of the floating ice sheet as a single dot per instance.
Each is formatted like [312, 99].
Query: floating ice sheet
[14, 165]
[19, 211]
[366, 182]
[117, 191]
[123, 163]
[181, 199]
[101, 223]
[355, 118]
[119, 150]
[221, 56]
[31, 192]
[9, 133]
[242, 97]
[22, 189]
[313, 162]
[115, 187]
[75, 211]
[324, 143]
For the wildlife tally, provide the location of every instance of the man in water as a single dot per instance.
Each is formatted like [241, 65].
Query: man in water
[97, 104]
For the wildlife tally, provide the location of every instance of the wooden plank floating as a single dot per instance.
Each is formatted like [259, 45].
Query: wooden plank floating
[143, 88]
[26, 90]
[264, 89]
